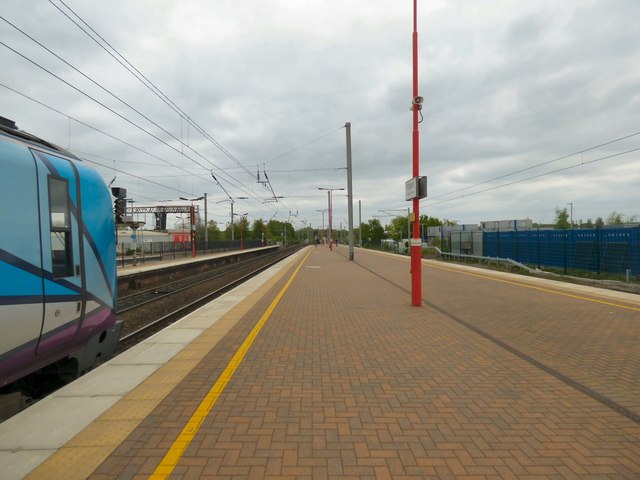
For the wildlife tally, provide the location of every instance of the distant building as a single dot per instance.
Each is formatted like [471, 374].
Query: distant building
[127, 236]
[447, 230]
[492, 226]
[178, 236]
[468, 239]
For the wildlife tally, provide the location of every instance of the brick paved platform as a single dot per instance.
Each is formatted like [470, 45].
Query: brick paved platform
[494, 377]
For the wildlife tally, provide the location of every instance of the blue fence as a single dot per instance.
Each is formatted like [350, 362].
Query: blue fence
[612, 250]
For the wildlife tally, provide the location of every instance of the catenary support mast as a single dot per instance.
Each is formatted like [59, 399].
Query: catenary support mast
[416, 242]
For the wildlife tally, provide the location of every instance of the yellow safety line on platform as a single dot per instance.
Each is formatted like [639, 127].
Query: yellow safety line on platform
[547, 290]
[173, 456]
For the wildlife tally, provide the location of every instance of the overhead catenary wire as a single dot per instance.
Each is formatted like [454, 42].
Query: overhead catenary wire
[515, 172]
[131, 122]
[181, 151]
[84, 156]
[533, 177]
[113, 137]
[290, 170]
[124, 142]
[428, 201]
[97, 84]
[145, 81]
[305, 170]
[152, 87]
[115, 112]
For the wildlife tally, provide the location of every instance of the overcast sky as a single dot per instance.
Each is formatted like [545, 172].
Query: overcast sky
[509, 86]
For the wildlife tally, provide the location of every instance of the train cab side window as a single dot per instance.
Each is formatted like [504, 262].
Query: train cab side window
[61, 254]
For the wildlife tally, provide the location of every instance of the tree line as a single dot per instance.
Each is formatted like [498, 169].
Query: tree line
[373, 232]
[269, 232]
[563, 220]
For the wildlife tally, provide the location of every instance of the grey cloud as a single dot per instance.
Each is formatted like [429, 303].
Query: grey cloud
[504, 87]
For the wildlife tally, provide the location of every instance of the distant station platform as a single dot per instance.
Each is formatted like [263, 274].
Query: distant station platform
[170, 261]
[158, 272]
[321, 368]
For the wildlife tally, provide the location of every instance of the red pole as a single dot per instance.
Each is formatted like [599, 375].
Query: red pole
[416, 242]
[193, 230]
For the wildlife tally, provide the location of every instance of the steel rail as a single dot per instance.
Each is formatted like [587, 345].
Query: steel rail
[180, 312]
[189, 282]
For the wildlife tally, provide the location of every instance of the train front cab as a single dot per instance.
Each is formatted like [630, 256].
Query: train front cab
[57, 263]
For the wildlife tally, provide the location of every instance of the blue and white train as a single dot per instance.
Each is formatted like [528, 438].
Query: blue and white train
[57, 260]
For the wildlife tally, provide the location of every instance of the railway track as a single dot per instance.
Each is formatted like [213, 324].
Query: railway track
[136, 300]
[147, 312]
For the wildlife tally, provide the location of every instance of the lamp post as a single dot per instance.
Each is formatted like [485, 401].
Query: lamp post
[330, 194]
[206, 224]
[242, 215]
[416, 243]
[571, 213]
[323, 210]
[193, 223]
